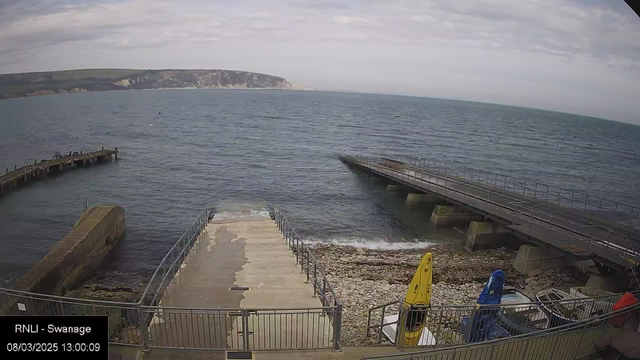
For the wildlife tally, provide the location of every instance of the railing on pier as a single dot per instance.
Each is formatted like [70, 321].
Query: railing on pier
[461, 324]
[571, 341]
[615, 210]
[533, 220]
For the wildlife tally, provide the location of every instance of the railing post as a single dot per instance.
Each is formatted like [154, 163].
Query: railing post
[586, 201]
[315, 276]
[399, 340]
[308, 265]
[546, 198]
[337, 327]
[245, 330]
[572, 194]
[301, 261]
[324, 291]
[144, 330]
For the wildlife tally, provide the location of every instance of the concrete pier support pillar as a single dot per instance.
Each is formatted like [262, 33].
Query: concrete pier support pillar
[607, 282]
[397, 189]
[448, 215]
[531, 257]
[414, 199]
[484, 234]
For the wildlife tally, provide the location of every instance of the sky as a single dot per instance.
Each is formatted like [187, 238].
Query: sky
[577, 56]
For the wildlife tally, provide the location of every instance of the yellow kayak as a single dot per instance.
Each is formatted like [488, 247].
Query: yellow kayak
[417, 299]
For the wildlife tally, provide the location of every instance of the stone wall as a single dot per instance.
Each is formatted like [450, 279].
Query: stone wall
[78, 254]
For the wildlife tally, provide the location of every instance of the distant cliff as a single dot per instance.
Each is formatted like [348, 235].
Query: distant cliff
[60, 82]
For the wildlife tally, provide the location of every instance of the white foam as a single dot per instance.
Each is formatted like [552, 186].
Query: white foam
[235, 214]
[374, 244]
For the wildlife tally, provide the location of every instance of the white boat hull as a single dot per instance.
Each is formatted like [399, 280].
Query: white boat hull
[390, 327]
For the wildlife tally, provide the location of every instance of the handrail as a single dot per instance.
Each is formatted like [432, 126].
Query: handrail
[592, 304]
[497, 306]
[292, 236]
[302, 253]
[545, 332]
[170, 266]
[541, 191]
[382, 316]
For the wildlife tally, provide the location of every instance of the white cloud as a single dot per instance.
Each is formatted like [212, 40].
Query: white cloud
[424, 48]
[422, 18]
[349, 19]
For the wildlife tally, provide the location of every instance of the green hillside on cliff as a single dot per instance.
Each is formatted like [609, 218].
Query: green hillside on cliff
[58, 82]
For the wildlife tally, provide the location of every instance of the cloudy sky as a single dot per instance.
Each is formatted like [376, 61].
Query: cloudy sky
[580, 56]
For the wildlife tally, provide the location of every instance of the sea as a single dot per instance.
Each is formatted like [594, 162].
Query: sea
[250, 150]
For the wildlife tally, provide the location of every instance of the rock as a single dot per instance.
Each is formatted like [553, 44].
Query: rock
[535, 272]
[365, 278]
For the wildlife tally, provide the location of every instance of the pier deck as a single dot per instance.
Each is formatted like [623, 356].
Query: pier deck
[40, 170]
[577, 234]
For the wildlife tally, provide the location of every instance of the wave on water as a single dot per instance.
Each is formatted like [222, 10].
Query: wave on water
[242, 214]
[274, 117]
[374, 244]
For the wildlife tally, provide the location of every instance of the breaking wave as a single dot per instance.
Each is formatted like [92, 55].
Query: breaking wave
[242, 214]
[375, 244]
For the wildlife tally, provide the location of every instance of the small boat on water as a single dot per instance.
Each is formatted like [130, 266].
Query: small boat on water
[524, 316]
[563, 308]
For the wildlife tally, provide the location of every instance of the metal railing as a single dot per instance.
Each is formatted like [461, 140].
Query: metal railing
[564, 234]
[571, 341]
[170, 264]
[314, 272]
[390, 308]
[30, 165]
[241, 329]
[617, 211]
[147, 325]
[461, 324]
[124, 318]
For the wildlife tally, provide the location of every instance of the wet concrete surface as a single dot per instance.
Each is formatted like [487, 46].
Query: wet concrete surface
[240, 263]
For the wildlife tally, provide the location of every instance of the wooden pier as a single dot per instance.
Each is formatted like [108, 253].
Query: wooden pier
[41, 170]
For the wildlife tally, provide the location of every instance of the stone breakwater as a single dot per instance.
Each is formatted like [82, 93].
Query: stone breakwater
[364, 278]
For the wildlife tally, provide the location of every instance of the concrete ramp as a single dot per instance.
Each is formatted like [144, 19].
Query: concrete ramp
[241, 274]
